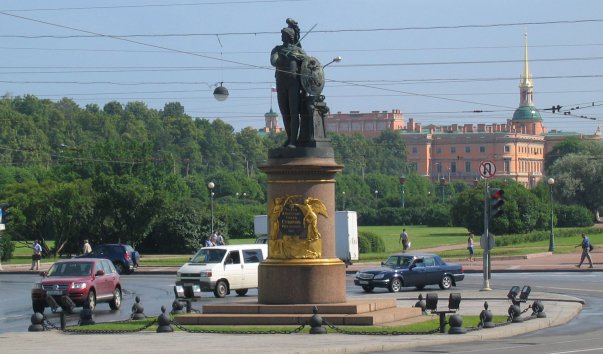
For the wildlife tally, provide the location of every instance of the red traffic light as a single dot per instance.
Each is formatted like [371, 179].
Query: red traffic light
[497, 193]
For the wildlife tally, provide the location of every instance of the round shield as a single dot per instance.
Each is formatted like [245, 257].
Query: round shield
[312, 76]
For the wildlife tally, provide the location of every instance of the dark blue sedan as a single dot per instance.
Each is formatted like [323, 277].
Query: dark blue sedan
[410, 269]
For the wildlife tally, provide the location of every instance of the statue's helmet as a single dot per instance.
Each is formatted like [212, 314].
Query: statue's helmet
[289, 32]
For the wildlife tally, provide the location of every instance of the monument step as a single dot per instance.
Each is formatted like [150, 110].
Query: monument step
[378, 317]
[350, 307]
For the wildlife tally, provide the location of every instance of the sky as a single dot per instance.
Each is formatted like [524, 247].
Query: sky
[437, 61]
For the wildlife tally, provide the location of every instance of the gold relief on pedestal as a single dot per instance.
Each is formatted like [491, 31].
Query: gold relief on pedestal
[294, 230]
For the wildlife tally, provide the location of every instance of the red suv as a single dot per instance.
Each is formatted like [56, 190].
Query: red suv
[79, 279]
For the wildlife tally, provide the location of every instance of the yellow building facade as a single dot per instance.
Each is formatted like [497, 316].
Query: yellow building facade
[517, 148]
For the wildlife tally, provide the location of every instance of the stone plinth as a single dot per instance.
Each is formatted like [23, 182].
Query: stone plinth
[301, 267]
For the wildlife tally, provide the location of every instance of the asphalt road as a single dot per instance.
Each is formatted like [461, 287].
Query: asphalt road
[582, 335]
[156, 291]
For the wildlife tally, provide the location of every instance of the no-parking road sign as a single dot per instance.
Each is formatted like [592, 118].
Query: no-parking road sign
[487, 169]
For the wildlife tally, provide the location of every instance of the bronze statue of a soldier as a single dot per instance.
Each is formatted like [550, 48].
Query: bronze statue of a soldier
[287, 59]
[299, 83]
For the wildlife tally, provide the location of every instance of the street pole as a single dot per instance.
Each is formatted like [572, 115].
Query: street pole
[211, 186]
[486, 238]
[402, 181]
[551, 182]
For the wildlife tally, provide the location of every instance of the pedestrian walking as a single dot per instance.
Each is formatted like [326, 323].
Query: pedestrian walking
[87, 248]
[470, 247]
[36, 256]
[404, 240]
[586, 248]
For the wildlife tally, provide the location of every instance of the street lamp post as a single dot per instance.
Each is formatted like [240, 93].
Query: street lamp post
[211, 186]
[442, 183]
[402, 180]
[551, 182]
[343, 200]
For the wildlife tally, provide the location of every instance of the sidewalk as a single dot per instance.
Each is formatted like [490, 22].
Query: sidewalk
[536, 262]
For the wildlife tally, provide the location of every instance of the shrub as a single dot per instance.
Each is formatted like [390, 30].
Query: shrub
[6, 248]
[364, 245]
[573, 216]
[376, 242]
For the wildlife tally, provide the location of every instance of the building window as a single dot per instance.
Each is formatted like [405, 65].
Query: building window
[453, 149]
[438, 150]
[467, 148]
[453, 167]
[415, 150]
[438, 167]
[507, 166]
[507, 148]
[482, 149]
[467, 166]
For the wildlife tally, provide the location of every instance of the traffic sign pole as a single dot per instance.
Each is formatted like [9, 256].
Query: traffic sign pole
[486, 260]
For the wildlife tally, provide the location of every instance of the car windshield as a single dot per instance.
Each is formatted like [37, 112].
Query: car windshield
[208, 255]
[398, 261]
[70, 269]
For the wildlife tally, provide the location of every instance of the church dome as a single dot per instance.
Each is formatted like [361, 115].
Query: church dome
[529, 112]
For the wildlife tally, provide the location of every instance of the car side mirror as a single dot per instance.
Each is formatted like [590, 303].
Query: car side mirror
[43, 274]
[413, 265]
[100, 272]
[382, 263]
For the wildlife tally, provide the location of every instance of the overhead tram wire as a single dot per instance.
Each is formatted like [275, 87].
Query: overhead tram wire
[326, 31]
[316, 31]
[213, 3]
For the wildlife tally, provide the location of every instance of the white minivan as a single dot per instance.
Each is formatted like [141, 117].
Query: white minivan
[220, 269]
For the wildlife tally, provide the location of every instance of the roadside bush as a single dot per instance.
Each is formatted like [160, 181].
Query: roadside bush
[376, 242]
[364, 245]
[6, 248]
[573, 216]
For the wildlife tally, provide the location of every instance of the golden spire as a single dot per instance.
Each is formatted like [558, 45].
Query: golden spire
[526, 87]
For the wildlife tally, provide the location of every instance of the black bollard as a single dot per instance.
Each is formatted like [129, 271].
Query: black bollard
[37, 323]
[515, 314]
[138, 310]
[86, 315]
[177, 308]
[486, 317]
[316, 323]
[164, 322]
[538, 309]
[421, 303]
[63, 320]
[456, 324]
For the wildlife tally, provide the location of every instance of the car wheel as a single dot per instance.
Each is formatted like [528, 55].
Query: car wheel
[38, 306]
[368, 288]
[241, 292]
[395, 285]
[420, 287]
[92, 299]
[446, 282]
[115, 304]
[120, 267]
[221, 289]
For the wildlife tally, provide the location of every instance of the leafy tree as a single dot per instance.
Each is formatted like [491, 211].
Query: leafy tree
[578, 180]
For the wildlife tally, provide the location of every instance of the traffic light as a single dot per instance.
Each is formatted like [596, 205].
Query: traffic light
[496, 202]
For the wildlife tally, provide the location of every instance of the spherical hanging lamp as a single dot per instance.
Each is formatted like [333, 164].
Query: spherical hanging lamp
[221, 93]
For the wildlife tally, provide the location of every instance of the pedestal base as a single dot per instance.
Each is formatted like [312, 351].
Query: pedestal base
[317, 281]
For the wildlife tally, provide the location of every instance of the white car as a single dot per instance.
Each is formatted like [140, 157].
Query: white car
[220, 269]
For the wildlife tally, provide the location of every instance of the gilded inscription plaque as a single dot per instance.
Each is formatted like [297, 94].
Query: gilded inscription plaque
[294, 230]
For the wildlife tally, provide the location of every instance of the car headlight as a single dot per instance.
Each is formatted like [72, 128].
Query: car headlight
[37, 286]
[78, 285]
[206, 274]
[379, 276]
